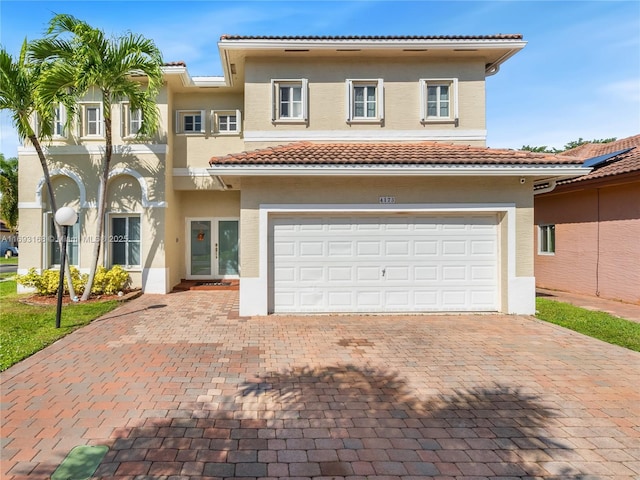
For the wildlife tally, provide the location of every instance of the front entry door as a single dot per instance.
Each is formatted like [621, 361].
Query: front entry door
[213, 248]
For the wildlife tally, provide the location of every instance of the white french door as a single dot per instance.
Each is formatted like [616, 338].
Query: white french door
[212, 248]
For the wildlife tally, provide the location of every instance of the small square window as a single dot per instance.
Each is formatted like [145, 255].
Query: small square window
[227, 122]
[439, 100]
[91, 120]
[131, 121]
[190, 121]
[365, 100]
[546, 239]
[289, 100]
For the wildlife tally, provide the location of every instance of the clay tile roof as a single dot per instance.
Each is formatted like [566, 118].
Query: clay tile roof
[499, 36]
[626, 162]
[423, 153]
[175, 64]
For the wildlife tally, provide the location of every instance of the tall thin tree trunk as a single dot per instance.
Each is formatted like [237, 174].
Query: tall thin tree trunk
[102, 207]
[54, 208]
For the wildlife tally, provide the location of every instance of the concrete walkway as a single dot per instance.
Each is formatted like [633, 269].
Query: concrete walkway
[179, 387]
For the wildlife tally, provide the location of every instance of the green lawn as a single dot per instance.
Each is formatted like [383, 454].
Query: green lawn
[9, 261]
[26, 329]
[599, 325]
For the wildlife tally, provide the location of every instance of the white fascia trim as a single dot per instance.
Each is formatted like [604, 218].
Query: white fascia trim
[365, 135]
[199, 81]
[133, 149]
[254, 293]
[397, 170]
[191, 172]
[366, 44]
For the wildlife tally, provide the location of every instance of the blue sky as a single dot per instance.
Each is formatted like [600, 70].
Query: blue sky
[579, 75]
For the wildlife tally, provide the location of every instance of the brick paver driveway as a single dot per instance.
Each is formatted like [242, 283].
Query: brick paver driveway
[178, 386]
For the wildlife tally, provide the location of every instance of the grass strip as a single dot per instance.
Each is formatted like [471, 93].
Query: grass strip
[26, 329]
[600, 325]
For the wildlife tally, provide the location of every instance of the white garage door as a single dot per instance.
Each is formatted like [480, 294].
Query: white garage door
[391, 263]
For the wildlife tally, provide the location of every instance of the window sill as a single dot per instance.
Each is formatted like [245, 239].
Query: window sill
[93, 137]
[547, 254]
[191, 134]
[301, 121]
[227, 134]
[427, 121]
[365, 121]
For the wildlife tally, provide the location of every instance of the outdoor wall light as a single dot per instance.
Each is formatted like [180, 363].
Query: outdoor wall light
[65, 217]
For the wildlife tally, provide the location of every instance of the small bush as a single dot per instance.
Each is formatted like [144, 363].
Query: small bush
[46, 283]
[106, 282]
[109, 282]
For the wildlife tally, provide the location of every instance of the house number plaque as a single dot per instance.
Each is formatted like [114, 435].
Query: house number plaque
[387, 200]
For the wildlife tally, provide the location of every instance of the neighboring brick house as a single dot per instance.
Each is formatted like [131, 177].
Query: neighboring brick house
[588, 228]
[365, 183]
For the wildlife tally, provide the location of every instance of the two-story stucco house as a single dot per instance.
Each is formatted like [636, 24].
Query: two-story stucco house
[327, 174]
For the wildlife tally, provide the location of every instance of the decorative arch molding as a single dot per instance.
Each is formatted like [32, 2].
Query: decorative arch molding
[63, 172]
[143, 186]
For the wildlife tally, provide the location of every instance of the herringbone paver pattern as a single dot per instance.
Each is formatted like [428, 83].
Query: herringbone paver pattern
[180, 387]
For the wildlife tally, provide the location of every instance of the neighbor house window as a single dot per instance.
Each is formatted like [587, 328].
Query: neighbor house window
[365, 100]
[91, 120]
[289, 100]
[131, 120]
[190, 121]
[439, 100]
[546, 238]
[53, 248]
[227, 122]
[124, 240]
[59, 120]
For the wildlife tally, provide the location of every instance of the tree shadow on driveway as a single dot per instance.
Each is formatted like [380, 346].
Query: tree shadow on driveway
[346, 422]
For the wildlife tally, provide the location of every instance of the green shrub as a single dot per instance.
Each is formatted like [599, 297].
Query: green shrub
[111, 281]
[46, 283]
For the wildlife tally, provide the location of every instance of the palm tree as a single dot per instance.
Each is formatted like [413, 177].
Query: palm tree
[19, 83]
[79, 58]
[9, 191]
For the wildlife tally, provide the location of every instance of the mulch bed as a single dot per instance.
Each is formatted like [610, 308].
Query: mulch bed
[47, 300]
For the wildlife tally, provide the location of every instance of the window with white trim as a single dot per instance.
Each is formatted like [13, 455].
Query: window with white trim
[190, 121]
[59, 121]
[131, 121]
[124, 240]
[546, 239]
[289, 100]
[53, 247]
[91, 120]
[439, 100]
[227, 122]
[365, 100]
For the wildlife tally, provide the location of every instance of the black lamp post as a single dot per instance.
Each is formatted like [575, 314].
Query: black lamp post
[65, 217]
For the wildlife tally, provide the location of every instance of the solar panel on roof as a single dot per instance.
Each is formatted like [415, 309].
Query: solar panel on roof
[595, 161]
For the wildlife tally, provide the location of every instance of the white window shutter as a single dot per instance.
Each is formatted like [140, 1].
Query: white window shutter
[305, 98]
[238, 121]
[423, 100]
[455, 99]
[348, 102]
[274, 100]
[123, 119]
[381, 99]
[203, 121]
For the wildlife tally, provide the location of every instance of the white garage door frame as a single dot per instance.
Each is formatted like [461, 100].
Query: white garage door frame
[254, 291]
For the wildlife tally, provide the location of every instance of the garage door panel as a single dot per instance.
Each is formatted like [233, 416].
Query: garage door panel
[363, 263]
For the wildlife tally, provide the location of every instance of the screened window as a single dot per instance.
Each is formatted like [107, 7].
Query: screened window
[190, 121]
[438, 101]
[92, 120]
[547, 239]
[73, 234]
[124, 240]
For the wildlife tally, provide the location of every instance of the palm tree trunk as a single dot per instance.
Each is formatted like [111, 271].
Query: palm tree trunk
[102, 207]
[54, 208]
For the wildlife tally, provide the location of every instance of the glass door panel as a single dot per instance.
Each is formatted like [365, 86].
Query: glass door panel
[227, 248]
[201, 264]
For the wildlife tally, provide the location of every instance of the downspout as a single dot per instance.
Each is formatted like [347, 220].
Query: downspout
[550, 187]
[223, 186]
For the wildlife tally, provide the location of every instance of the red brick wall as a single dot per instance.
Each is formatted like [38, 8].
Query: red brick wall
[597, 241]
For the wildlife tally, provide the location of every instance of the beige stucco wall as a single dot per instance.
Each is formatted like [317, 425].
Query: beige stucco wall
[326, 76]
[407, 190]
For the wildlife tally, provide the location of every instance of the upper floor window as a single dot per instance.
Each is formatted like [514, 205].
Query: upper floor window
[439, 100]
[365, 100]
[91, 120]
[59, 121]
[227, 122]
[190, 121]
[131, 120]
[289, 100]
[546, 239]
